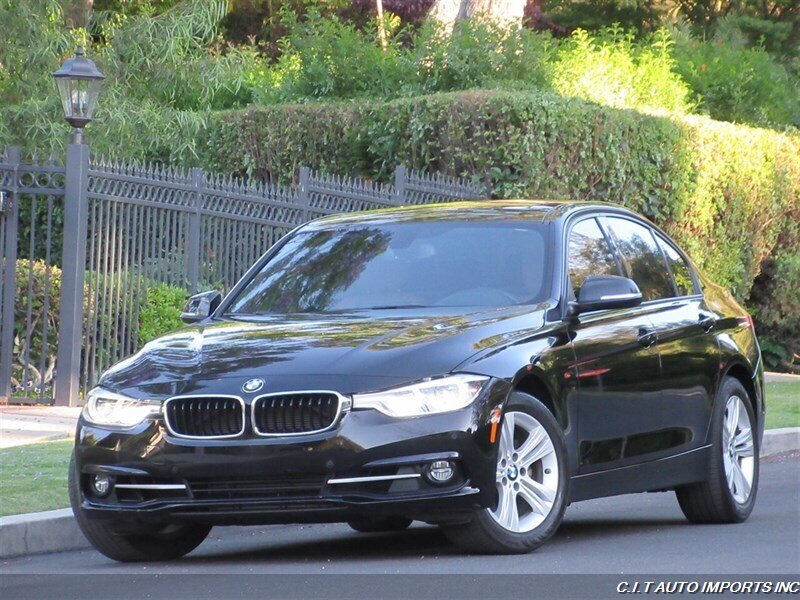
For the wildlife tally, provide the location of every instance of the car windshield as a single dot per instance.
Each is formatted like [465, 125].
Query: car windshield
[407, 264]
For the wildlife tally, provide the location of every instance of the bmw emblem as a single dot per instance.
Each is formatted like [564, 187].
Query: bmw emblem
[253, 385]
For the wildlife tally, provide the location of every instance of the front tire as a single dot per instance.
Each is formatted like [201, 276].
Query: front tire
[729, 493]
[532, 479]
[168, 542]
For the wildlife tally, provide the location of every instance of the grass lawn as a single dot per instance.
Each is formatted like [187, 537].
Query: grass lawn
[783, 404]
[34, 477]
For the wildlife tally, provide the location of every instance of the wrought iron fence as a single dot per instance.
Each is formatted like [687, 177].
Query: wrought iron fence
[30, 249]
[102, 239]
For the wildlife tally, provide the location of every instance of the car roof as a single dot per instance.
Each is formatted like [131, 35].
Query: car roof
[527, 210]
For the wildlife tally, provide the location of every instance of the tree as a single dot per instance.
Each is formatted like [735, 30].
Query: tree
[507, 12]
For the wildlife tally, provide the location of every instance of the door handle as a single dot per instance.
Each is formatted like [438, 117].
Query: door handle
[647, 337]
[706, 322]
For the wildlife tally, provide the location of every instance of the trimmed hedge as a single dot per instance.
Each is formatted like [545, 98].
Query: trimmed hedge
[724, 191]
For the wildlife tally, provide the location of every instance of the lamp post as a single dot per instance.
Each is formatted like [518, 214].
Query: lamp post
[78, 82]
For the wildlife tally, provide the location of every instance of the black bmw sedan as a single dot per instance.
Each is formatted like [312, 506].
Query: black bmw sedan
[474, 365]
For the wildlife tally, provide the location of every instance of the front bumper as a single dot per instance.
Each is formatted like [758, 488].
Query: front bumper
[368, 465]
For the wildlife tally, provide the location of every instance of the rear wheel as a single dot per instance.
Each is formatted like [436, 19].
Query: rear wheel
[380, 524]
[165, 542]
[729, 494]
[531, 480]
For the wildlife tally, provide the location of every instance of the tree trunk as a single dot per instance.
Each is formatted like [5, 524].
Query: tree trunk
[76, 12]
[506, 12]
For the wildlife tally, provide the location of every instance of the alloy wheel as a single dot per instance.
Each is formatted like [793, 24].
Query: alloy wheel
[738, 450]
[527, 474]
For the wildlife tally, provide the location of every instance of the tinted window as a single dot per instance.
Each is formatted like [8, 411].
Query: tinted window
[407, 264]
[642, 260]
[680, 270]
[589, 254]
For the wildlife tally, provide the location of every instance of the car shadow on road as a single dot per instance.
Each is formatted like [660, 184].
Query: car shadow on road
[341, 545]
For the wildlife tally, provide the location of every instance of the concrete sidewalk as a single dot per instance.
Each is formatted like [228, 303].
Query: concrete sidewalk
[21, 425]
[772, 377]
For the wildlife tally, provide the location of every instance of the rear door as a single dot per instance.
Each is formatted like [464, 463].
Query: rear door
[687, 353]
[617, 372]
[687, 346]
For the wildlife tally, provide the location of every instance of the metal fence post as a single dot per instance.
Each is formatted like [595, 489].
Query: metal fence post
[193, 259]
[303, 196]
[400, 184]
[9, 283]
[68, 360]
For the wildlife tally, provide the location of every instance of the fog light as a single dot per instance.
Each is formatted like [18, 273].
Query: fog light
[101, 485]
[441, 471]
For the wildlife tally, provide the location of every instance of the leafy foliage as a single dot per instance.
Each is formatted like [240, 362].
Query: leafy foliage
[611, 68]
[160, 311]
[641, 15]
[325, 58]
[168, 70]
[164, 74]
[734, 83]
[35, 327]
[775, 298]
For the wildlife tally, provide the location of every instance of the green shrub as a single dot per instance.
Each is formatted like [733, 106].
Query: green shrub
[734, 83]
[36, 322]
[479, 54]
[324, 57]
[775, 299]
[160, 311]
[613, 69]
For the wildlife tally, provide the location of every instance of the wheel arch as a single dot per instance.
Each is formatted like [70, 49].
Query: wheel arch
[535, 385]
[739, 371]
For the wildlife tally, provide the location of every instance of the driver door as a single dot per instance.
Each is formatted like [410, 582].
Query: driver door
[617, 371]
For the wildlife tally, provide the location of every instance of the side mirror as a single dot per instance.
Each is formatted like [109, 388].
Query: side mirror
[604, 292]
[201, 306]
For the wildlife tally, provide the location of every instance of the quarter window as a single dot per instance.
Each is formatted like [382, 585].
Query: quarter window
[680, 270]
[589, 254]
[641, 258]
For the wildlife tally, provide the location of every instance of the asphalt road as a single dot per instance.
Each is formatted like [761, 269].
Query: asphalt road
[644, 533]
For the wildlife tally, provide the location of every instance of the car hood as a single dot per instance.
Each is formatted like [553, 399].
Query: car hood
[347, 352]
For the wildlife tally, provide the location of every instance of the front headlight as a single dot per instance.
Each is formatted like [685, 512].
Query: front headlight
[428, 397]
[109, 408]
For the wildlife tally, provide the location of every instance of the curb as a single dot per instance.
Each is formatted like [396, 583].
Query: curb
[57, 530]
[37, 533]
[780, 440]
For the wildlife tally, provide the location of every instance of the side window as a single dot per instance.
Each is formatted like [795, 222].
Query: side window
[680, 270]
[589, 254]
[641, 257]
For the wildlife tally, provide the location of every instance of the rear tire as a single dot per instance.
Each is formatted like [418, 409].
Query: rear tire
[729, 493]
[532, 470]
[167, 543]
[380, 525]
